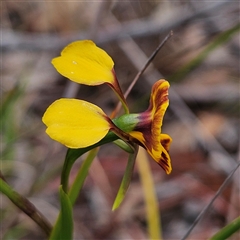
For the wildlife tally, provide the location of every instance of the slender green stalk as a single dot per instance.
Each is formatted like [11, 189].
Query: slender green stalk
[63, 229]
[126, 178]
[152, 209]
[81, 176]
[26, 206]
[73, 154]
[228, 230]
[65, 173]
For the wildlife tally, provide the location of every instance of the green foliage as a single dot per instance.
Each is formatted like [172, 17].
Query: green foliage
[25, 205]
[228, 230]
[15, 232]
[64, 227]
[8, 118]
[81, 176]
[126, 179]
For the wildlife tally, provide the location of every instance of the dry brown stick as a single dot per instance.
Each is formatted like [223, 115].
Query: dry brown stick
[235, 195]
[219, 191]
[25, 205]
[153, 55]
[149, 60]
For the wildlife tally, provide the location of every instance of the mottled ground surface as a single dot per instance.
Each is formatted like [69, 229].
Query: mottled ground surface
[201, 62]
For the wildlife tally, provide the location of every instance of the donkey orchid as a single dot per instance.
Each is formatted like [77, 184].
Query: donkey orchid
[80, 124]
[146, 126]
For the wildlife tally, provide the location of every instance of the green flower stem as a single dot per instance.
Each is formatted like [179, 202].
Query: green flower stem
[153, 219]
[26, 206]
[73, 154]
[81, 176]
[125, 123]
[68, 163]
[63, 229]
[126, 179]
[228, 230]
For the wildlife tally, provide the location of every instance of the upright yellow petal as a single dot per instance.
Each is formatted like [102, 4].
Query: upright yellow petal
[158, 104]
[75, 123]
[84, 62]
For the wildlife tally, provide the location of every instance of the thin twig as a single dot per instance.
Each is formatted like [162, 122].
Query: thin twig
[204, 211]
[25, 205]
[149, 60]
[147, 63]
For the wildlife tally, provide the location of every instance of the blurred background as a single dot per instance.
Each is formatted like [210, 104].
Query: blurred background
[201, 62]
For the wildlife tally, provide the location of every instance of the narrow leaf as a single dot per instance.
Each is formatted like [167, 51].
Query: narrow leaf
[81, 176]
[26, 206]
[63, 228]
[228, 230]
[126, 179]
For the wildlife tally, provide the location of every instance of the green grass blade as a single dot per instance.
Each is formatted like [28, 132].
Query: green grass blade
[71, 157]
[64, 228]
[81, 176]
[228, 230]
[9, 125]
[126, 179]
[26, 206]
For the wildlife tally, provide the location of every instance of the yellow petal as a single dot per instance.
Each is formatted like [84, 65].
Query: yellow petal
[84, 62]
[158, 104]
[75, 123]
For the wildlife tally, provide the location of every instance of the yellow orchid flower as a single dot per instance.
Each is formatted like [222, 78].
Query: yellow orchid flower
[147, 126]
[79, 124]
[83, 62]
